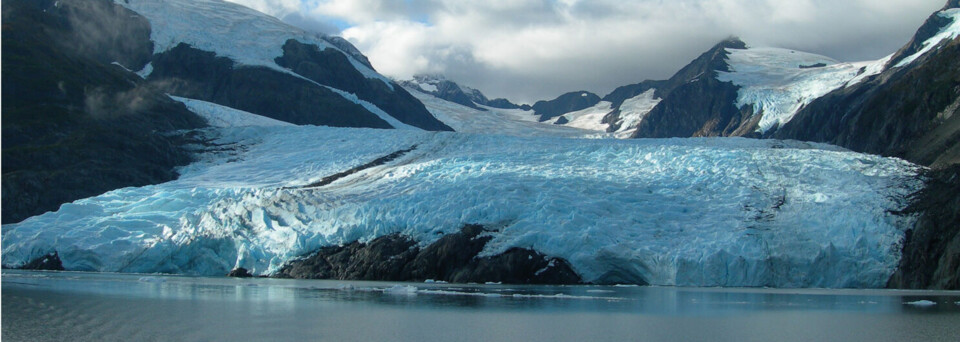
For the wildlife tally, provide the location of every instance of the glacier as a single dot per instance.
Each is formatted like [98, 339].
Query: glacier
[688, 212]
[779, 82]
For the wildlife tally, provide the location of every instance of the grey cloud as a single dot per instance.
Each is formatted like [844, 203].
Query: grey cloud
[534, 49]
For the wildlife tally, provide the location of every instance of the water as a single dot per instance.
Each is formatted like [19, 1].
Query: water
[57, 306]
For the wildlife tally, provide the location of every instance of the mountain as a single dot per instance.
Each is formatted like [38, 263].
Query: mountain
[441, 87]
[569, 102]
[87, 83]
[901, 105]
[234, 56]
[909, 110]
[216, 178]
[76, 125]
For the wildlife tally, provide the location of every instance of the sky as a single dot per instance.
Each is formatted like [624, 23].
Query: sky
[529, 50]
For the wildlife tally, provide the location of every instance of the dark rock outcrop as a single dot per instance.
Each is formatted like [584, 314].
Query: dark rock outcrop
[501, 103]
[351, 50]
[74, 125]
[192, 73]
[452, 258]
[332, 68]
[49, 262]
[565, 103]
[623, 93]
[931, 252]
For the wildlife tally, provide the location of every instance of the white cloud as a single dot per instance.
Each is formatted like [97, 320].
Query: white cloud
[534, 49]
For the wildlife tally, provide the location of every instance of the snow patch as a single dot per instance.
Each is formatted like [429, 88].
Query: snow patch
[590, 118]
[634, 110]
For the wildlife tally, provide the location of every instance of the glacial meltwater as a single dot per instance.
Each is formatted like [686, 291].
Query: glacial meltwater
[70, 306]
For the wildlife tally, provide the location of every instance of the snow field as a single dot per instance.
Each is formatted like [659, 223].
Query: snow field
[772, 81]
[230, 30]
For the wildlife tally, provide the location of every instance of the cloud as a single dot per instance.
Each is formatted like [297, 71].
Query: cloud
[527, 50]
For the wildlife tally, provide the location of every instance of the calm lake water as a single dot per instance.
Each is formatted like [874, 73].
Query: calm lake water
[68, 306]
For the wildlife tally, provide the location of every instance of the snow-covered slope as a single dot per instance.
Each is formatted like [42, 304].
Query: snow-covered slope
[778, 82]
[733, 212]
[234, 56]
[230, 30]
[222, 116]
[948, 32]
[631, 113]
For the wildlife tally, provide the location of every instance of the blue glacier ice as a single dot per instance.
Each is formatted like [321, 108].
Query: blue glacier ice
[690, 212]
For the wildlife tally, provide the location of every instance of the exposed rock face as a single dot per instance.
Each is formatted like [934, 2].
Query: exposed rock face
[623, 93]
[452, 258]
[74, 125]
[565, 103]
[501, 103]
[695, 103]
[239, 272]
[332, 68]
[931, 253]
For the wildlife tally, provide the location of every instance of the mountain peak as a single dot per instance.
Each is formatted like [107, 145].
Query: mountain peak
[940, 25]
[733, 42]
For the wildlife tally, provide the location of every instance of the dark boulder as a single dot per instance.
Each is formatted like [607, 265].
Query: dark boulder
[49, 262]
[239, 272]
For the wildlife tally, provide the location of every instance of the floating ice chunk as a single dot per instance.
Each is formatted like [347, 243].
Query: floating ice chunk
[401, 290]
[921, 303]
[152, 280]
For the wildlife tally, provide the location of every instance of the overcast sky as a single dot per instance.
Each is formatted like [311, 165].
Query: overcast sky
[527, 50]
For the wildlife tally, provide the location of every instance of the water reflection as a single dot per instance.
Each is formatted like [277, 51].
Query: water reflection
[53, 306]
[284, 294]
